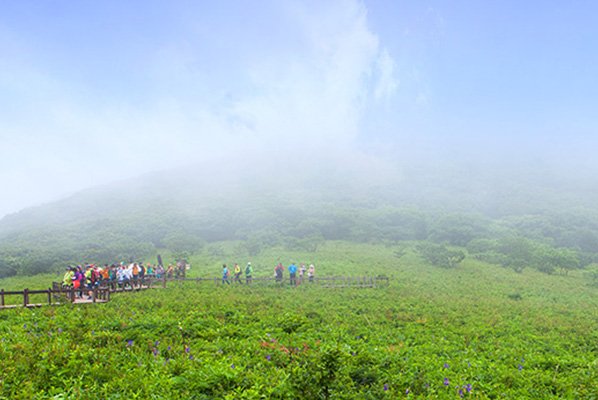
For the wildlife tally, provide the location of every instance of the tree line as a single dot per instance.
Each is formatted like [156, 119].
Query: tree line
[556, 242]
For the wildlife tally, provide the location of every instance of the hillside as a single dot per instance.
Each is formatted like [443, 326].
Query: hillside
[278, 201]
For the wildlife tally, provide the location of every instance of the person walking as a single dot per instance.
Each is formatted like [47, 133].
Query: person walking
[237, 273]
[225, 274]
[293, 274]
[67, 279]
[78, 280]
[302, 271]
[279, 270]
[311, 272]
[248, 273]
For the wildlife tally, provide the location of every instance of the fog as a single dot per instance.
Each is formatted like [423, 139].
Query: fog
[92, 94]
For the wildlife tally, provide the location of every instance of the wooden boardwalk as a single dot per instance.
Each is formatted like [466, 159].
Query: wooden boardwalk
[101, 293]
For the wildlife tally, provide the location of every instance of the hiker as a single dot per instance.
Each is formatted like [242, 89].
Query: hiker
[225, 274]
[141, 271]
[302, 271]
[279, 271]
[126, 274]
[149, 270]
[169, 271]
[112, 276]
[135, 271]
[237, 273]
[105, 273]
[67, 279]
[78, 280]
[311, 272]
[293, 274]
[89, 282]
[248, 273]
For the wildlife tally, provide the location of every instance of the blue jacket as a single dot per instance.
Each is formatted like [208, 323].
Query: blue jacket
[292, 269]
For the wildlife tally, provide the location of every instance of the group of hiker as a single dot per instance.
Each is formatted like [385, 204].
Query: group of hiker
[237, 273]
[278, 273]
[89, 275]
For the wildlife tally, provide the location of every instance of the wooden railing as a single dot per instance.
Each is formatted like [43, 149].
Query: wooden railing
[54, 295]
[339, 282]
[101, 292]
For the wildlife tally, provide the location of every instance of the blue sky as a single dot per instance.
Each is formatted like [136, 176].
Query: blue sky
[92, 92]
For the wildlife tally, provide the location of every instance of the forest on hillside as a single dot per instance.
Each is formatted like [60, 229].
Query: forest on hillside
[528, 220]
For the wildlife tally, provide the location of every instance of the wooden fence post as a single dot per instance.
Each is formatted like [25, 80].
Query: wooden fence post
[49, 296]
[25, 297]
[2, 297]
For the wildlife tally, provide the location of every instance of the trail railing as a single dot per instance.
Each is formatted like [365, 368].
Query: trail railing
[59, 294]
[54, 295]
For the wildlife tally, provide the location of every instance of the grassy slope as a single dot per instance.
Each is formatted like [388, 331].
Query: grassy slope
[430, 327]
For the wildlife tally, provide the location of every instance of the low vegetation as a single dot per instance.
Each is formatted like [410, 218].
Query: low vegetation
[476, 330]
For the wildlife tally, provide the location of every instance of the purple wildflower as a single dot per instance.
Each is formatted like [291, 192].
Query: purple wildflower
[130, 343]
[268, 357]
[187, 350]
[446, 382]
[446, 365]
[520, 367]
[233, 366]
[385, 387]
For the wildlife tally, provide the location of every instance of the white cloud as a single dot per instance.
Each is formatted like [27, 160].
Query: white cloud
[311, 94]
[387, 83]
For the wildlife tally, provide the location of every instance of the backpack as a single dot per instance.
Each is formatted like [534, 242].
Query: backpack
[247, 270]
[227, 273]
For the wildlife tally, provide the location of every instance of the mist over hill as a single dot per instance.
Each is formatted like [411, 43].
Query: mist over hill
[267, 201]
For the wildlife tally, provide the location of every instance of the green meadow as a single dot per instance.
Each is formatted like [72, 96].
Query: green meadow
[477, 331]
